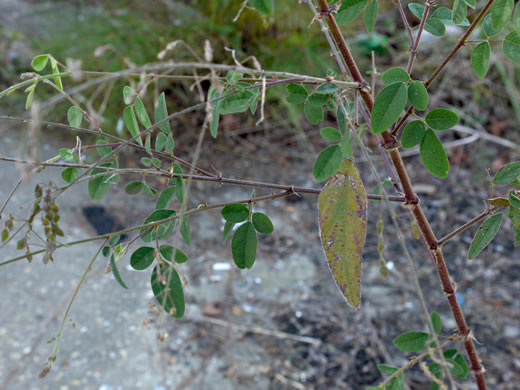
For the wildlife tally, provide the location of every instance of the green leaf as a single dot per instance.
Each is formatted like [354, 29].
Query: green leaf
[263, 6]
[262, 223]
[142, 258]
[418, 95]
[74, 116]
[170, 144]
[161, 231]
[413, 134]
[160, 141]
[103, 151]
[395, 384]
[460, 369]
[167, 252]
[67, 154]
[488, 26]
[514, 214]
[441, 119]
[314, 114]
[238, 102]
[134, 187]
[140, 110]
[69, 174]
[433, 155]
[161, 113]
[228, 228]
[165, 198]
[411, 341]
[341, 119]
[514, 199]
[56, 70]
[233, 76]
[512, 46]
[330, 134]
[370, 15]
[213, 94]
[435, 27]
[501, 13]
[235, 213]
[480, 58]
[327, 88]
[243, 246]
[395, 75]
[417, 10]
[516, 19]
[516, 236]
[327, 163]
[443, 15]
[436, 322]
[388, 106]
[40, 62]
[297, 93]
[346, 147]
[471, 3]
[343, 223]
[29, 99]
[115, 272]
[185, 230]
[171, 299]
[485, 234]
[317, 99]
[459, 12]
[508, 173]
[128, 95]
[97, 187]
[349, 11]
[131, 123]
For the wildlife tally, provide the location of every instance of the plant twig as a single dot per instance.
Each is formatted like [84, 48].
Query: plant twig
[218, 179]
[467, 225]
[9, 197]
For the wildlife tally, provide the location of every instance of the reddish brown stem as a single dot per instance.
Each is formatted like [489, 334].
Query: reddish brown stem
[410, 196]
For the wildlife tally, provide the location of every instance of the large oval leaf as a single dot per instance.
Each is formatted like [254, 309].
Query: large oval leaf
[512, 46]
[343, 224]
[485, 234]
[441, 119]
[172, 298]
[480, 58]
[501, 13]
[263, 6]
[413, 134]
[349, 11]
[388, 106]
[433, 155]
[243, 246]
[508, 173]
[328, 162]
[418, 95]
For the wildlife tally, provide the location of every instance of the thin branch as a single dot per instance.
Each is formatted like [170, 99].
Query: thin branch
[222, 180]
[467, 225]
[405, 21]
[9, 197]
[415, 44]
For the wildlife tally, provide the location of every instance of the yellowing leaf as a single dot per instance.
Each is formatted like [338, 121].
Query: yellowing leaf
[343, 224]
